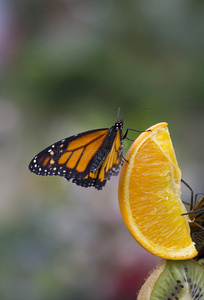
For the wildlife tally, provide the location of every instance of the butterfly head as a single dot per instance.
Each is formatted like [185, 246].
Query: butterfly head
[118, 125]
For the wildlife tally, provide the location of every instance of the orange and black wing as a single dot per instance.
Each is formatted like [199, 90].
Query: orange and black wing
[89, 158]
[73, 157]
[110, 166]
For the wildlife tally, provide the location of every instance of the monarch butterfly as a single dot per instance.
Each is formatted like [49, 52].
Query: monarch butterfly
[196, 215]
[89, 158]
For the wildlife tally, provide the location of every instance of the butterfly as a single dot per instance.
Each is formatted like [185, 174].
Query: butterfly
[196, 215]
[89, 158]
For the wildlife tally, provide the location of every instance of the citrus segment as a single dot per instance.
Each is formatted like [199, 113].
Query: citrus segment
[149, 196]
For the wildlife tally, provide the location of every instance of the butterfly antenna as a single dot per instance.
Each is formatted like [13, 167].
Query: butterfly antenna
[118, 113]
[134, 112]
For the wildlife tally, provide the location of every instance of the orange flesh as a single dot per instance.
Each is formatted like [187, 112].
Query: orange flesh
[149, 196]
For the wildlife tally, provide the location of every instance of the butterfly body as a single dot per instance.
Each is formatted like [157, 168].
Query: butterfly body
[196, 216]
[89, 158]
[197, 213]
[196, 219]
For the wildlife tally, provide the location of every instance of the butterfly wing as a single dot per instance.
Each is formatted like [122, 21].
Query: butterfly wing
[89, 158]
[197, 223]
[110, 166]
[73, 157]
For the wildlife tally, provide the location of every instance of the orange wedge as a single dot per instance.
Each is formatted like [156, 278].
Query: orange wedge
[149, 196]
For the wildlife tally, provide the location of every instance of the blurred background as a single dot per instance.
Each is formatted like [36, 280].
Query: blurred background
[65, 67]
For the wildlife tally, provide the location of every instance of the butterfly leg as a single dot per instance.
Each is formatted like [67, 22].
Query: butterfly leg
[194, 212]
[125, 135]
[124, 159]
[196, 196]
[188, 186]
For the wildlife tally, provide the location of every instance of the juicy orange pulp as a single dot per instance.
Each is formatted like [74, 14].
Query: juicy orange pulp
[149, 196]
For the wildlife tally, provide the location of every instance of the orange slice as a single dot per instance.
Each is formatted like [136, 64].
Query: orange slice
[149, 196]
